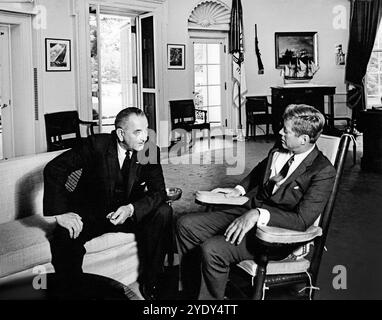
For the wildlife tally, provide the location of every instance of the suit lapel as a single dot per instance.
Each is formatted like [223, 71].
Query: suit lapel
[307, 162]
[269, 164]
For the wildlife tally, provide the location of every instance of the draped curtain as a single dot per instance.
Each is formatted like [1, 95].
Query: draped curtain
[365, 16]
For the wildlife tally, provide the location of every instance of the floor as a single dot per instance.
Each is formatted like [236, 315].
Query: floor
[350, 268]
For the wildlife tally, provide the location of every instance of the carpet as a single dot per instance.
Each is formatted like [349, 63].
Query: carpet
[224, 164]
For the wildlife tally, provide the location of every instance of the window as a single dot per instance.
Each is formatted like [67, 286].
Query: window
[374, 73]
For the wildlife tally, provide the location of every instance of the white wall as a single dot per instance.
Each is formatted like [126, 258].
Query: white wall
[59, 87]
[270, 17]
[56, 90]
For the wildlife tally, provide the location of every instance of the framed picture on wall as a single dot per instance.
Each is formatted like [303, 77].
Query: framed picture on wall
[293, 46]
[176, 56]
[57, 54]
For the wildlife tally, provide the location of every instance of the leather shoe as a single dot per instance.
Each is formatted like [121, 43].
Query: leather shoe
[149, 292]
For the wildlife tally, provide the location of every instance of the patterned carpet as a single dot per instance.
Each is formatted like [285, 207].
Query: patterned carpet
[223, 165]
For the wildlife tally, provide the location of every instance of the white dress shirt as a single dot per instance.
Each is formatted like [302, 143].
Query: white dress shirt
[278, 161]
[122, 155]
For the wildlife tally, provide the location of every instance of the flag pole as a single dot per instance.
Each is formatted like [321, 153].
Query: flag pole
[240, 136]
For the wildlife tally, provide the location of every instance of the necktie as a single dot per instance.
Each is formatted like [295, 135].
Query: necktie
[270, 184]
[126, 165]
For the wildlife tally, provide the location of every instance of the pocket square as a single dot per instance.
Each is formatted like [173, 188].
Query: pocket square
[296, 187]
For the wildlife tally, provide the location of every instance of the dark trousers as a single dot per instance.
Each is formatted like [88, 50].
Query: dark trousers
[205, 255]
[152, 235]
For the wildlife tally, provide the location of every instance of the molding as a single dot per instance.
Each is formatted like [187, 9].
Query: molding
[209, 15]
[26, 8]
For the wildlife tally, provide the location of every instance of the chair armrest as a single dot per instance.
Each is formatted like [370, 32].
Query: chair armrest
[284, 236]
[91, 123]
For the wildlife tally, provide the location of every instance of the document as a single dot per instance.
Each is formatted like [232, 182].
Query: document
[219, 198]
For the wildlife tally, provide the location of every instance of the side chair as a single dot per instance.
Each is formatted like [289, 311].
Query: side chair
[283, 258]
[63, 129]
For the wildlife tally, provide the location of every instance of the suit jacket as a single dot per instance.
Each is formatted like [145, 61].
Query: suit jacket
[300, 199]
[97, 156]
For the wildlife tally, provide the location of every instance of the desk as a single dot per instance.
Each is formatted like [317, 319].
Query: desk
[310, 94]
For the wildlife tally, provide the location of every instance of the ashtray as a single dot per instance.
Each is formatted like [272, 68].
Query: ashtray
[173, 193]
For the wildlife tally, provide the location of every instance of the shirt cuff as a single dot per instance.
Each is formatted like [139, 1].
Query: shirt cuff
[132, 209]
[241, 189]
[264, 217]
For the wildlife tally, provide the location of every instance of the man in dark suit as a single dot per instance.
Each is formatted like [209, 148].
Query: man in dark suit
[288, 189]
[121, 189]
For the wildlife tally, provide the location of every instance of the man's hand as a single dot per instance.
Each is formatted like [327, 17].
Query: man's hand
[122, 213]
[72, 222]
[229, 192]
[240, 226]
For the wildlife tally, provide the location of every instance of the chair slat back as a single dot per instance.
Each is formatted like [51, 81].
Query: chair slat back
[256, 104]
[60, 123]
[59, 126]
[182, 111]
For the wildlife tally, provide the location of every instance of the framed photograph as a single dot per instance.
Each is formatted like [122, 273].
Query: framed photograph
[176, 56]
[57, 54]
[290, 46]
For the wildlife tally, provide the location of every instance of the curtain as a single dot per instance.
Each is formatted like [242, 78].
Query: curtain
[365, 16]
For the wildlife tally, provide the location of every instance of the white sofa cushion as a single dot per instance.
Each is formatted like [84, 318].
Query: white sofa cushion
[24, 244]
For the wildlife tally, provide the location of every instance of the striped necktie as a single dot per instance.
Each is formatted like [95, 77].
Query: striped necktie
[270, 184]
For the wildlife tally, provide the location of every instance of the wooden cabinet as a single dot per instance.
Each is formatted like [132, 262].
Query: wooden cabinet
[313, 95]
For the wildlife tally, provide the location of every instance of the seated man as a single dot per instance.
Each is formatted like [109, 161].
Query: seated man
[288, 189]
[110, 197]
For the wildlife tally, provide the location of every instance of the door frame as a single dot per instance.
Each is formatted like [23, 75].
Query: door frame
[22, 93]
[7, 135]
[142, 90]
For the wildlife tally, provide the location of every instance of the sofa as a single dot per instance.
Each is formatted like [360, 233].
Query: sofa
[25, 232]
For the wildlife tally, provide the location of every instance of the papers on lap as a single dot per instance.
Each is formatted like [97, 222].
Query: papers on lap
[219, 198]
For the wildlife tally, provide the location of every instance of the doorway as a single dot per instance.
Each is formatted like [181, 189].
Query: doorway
[122, 64]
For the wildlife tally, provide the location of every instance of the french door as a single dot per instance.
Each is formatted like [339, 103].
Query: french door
[209, 58]
[122, 55]
[146, 62]
[113, 64]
